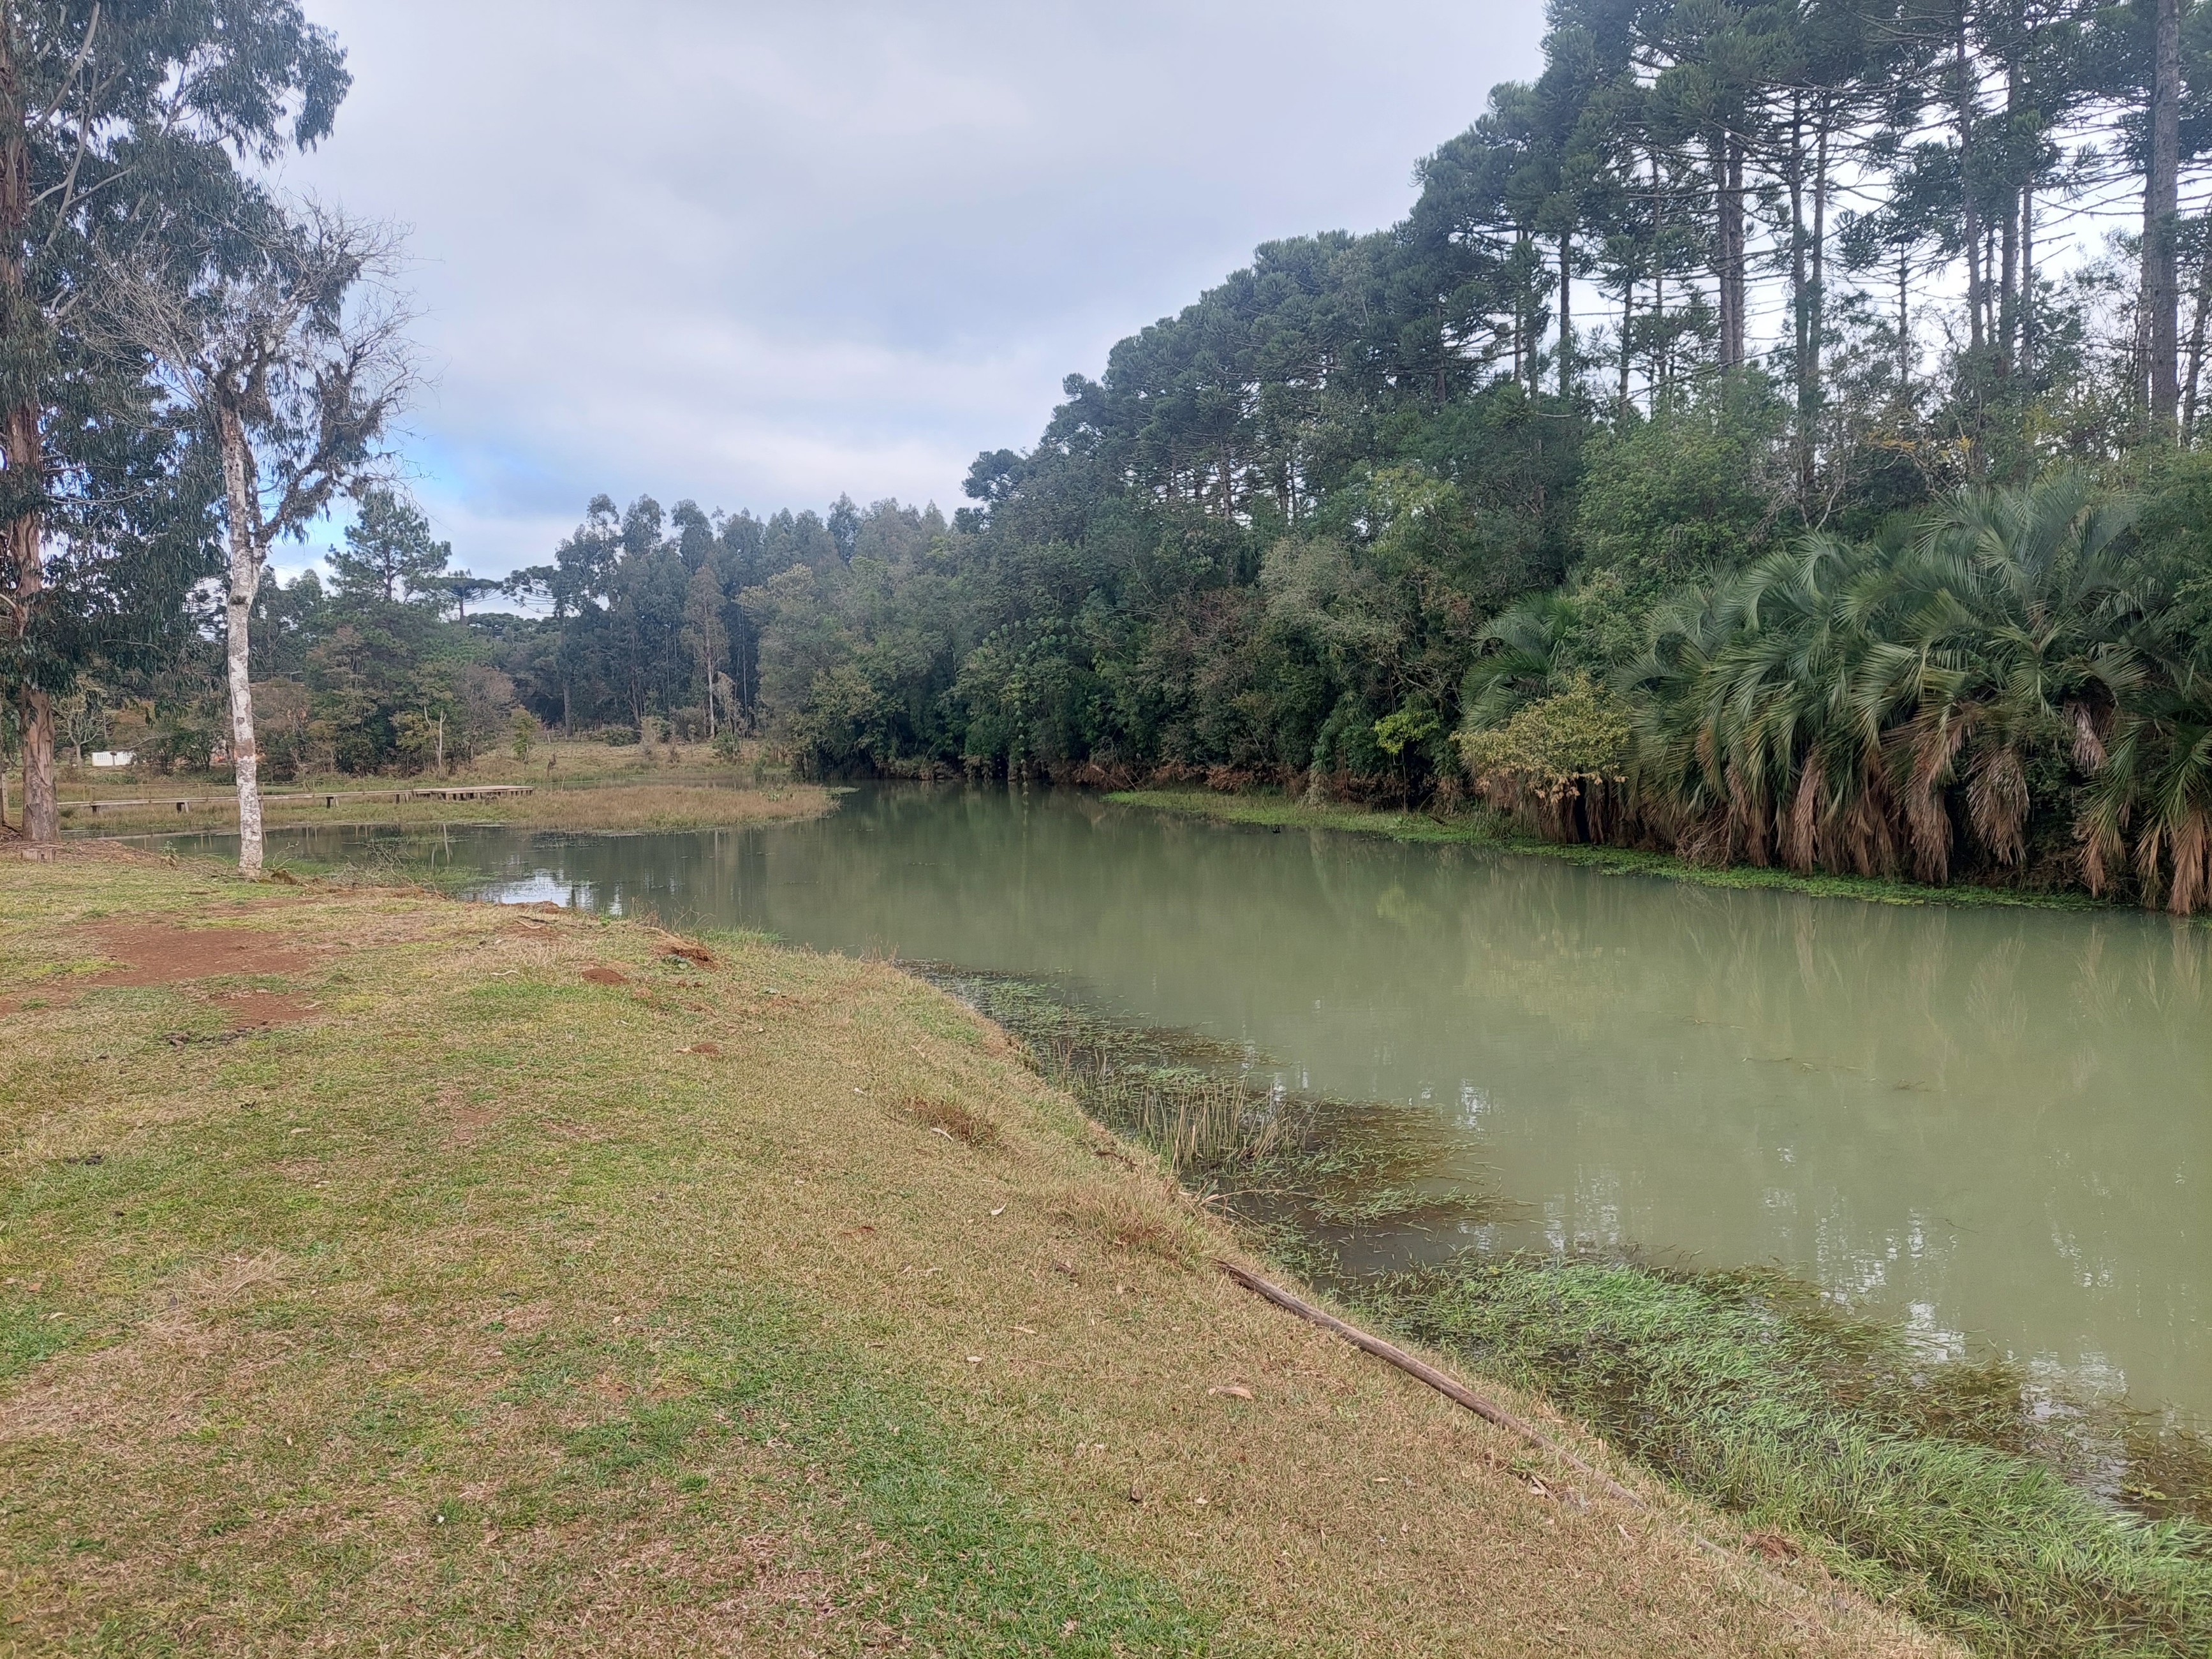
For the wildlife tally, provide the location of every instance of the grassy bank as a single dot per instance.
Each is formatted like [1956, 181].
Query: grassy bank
[1484, 830]
[1952, 1488]
[381, 1272]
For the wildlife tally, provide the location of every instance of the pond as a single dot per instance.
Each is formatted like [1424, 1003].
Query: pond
[1995, 1124]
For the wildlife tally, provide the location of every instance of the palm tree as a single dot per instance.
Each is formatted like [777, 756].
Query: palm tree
[1843, 706]
[2152, 785]
[2011, 643]
[1527, 656]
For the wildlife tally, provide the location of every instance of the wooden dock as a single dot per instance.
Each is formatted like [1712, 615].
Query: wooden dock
[330, 798]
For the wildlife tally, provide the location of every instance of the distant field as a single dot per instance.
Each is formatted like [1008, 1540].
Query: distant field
[573, 786]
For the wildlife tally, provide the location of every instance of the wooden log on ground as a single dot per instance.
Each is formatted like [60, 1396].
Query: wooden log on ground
[1449, 1387]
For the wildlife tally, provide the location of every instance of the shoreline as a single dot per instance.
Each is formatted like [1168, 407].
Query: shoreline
[1951, 1485]
[1419, 827]
[485, 996]
[508, 1244]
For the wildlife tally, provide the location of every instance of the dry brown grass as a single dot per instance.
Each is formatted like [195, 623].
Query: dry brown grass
[1127, 1217]
[482, 1312]
[952, 1119]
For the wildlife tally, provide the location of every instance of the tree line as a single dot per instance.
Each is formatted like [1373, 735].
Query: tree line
[1695, 351]
[1561, 491]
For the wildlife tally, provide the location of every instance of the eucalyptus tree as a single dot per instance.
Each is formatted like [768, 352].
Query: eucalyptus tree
[118, 120]
[285, 336]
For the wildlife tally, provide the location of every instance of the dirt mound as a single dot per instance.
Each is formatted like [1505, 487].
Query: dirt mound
[159, 953]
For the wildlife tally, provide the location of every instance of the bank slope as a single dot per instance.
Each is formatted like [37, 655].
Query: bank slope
[386, 1273]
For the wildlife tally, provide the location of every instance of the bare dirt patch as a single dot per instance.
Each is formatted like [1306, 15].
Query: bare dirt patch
[465, 1119]
[606, 976]
[257, 1010]
[157, 953]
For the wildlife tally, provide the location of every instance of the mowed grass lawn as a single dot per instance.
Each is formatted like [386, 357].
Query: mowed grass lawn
[390, 1274]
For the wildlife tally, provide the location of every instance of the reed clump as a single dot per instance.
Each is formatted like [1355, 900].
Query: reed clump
[1286, 1161]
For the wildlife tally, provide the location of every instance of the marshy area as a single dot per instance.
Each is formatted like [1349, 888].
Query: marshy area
[1964, 1490]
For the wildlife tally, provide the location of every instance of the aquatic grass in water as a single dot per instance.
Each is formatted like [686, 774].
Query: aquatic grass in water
[1946, 1486]
[1895, 1471]
[1267, 1155]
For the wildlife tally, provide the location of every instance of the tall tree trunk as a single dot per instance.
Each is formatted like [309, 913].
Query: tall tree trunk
[1520, 307]
[42, 804]
[1734, 335]
[2161, 182]
[2008, 310]
[2026, 280]
[242, 507]
[1659, 356]
[1627, 327]
[24, 448]
[1970, 209]
[1801, 301]
[1815, 345]
[2202, 305]
[1532, 340]
[1904, 320]
[1566, 315]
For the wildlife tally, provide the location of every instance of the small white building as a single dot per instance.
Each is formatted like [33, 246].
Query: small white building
[101, 757]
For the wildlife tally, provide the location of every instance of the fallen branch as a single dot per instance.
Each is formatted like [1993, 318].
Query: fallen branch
[1446, 1386]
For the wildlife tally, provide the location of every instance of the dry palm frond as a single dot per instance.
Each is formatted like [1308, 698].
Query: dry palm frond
[1997, 803]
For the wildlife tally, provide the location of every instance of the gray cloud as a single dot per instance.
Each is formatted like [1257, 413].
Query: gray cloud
[760, 254]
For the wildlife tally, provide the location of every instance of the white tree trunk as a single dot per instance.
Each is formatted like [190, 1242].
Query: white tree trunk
[243, 511]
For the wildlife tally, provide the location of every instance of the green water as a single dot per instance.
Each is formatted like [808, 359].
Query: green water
[1996, 1125]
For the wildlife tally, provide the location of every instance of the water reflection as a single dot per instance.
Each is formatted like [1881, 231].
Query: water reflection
[1989, 1122]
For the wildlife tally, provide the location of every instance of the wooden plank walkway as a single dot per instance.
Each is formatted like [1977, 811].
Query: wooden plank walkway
[329, 798]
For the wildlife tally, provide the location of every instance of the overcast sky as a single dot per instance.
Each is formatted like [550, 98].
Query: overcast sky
[761, 254]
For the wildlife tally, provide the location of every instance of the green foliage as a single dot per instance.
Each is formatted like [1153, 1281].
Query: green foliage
[1959, 692]
[1394, 732]
[524, 728]
[1692, 492]
[1580, 735]
[109, 489]
[388, 553]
